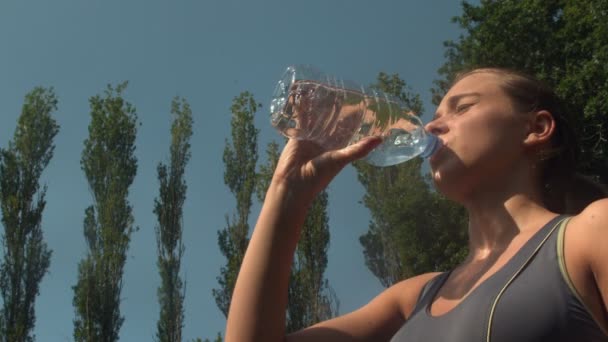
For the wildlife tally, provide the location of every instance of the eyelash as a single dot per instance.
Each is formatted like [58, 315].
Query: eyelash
[459, 109]
[463, 107]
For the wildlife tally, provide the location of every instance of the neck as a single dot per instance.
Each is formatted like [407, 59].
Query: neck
[503, 211]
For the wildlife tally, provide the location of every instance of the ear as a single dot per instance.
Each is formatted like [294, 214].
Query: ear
[541, 126]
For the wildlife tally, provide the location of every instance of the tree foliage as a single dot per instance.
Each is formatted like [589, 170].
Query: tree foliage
[310, 298]
[564, 43]
[110, 165]
[218, 338]
[26, 257]
[240, 159]
[413, 229]
[168, 209]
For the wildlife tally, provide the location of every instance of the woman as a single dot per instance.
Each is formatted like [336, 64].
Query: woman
[526, 278]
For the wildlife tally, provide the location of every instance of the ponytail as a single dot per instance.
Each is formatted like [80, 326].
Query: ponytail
[573, 194]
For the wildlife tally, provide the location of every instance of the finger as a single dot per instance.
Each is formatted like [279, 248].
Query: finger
[357, 150]
[332, 162]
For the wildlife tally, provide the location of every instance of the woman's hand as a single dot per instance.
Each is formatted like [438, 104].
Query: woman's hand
[306, 169]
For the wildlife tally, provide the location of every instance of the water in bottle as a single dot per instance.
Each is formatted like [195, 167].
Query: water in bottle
[310, 105]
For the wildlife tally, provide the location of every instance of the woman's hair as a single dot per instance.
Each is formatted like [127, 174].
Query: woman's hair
[564, 190]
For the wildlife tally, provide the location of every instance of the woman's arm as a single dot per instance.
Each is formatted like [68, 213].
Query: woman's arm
[257, 310]
[586, 253]
[379, 320]
[596, 215]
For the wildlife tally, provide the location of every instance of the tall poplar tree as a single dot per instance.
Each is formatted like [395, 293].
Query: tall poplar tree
[110, 165]
[310, 298]
[26, 257]
[413, 229]
[168, 210]
[240, 159]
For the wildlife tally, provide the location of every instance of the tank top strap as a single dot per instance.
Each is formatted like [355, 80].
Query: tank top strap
[430, 289]
[522, 258]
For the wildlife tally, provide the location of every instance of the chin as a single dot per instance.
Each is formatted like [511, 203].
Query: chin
[449, 185]
[439, 182]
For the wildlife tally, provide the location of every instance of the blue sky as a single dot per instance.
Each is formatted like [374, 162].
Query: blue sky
[208, 52]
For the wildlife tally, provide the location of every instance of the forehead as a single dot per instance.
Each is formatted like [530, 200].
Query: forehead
[479, 82]
[485, 86]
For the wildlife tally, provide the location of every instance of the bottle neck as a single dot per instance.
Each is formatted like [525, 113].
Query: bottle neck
[432, 145]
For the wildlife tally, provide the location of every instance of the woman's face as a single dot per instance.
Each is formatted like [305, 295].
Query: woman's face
[482, 133]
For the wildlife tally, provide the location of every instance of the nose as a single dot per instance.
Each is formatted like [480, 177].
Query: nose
[436, 127]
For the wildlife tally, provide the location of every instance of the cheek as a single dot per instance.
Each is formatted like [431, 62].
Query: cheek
[472, 139]
[483, 138]
[476, 149]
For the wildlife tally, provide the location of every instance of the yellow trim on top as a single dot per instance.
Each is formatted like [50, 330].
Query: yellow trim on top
[562, 260]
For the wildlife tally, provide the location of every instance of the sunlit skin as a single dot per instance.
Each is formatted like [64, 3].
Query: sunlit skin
[488, 164]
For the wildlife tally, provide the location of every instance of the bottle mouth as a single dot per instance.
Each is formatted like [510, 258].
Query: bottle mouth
[433, 145]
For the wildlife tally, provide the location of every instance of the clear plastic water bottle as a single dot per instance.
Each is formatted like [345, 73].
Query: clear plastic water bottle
[308, 104]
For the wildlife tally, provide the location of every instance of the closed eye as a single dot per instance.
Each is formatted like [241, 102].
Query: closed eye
[463, 107]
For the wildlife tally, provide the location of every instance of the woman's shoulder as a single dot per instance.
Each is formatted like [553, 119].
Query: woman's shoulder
[594, 218]
[587, 234]
[586, 251]
[413, 285]
[378, 320]
[407, 291]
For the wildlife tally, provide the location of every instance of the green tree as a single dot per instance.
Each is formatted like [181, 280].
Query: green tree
[168, 209]
[564, 43]
[26, 257]
[110, 165]
[310, 298]
[413, 229]
[240, 158]
[218, 338]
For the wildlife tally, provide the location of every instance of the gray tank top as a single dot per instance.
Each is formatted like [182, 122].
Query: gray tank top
[530, 299]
